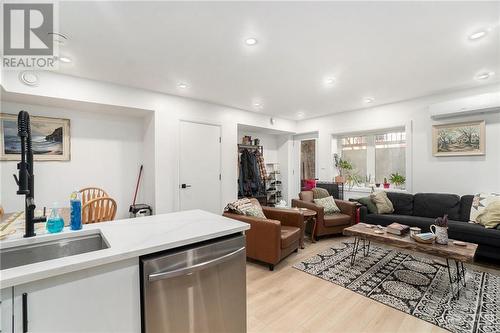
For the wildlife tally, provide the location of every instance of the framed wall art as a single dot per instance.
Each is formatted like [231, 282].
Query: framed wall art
[50, 138]
[459, 139]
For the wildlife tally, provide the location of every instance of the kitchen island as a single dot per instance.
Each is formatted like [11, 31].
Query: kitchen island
[98, 291]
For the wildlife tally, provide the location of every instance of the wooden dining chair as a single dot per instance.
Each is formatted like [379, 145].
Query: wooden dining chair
[99, 210]
[90, 193]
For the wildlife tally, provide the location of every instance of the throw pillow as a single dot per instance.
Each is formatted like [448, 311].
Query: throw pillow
[320, 193]
[255, 212]
[367, 201]
[239, 206]
[490, 217]
[328, 204]
[480, 202]
[384, 205]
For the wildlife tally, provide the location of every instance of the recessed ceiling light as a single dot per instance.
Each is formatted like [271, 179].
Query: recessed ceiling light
[369, 100]
[300, 114]
[182, 85]
[66, 60]
[257, 105]
[330, 80]
[29, 78]
[477, 35]
[484, 76]
[251, 41]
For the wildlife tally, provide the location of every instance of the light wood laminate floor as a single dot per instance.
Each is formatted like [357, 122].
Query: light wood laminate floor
[289, 300]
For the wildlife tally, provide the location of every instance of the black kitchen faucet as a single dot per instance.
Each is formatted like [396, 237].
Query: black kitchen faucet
[26, 180]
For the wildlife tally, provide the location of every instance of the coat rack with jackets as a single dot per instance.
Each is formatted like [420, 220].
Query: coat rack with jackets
[252, 173]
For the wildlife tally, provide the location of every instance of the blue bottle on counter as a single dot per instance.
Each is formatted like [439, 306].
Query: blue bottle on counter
[55, 222]
[76, 212]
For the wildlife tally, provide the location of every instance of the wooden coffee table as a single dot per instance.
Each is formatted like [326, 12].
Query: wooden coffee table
[450, 252]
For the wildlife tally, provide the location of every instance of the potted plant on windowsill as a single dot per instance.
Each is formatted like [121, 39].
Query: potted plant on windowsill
[342, 166]
[386, 183]
[353, 179]
[397, 179]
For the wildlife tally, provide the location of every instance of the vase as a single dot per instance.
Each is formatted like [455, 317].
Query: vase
[339, 179]
[441, 234]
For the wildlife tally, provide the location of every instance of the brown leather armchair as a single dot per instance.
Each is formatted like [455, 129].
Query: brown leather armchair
[328, 224]
[271, 239]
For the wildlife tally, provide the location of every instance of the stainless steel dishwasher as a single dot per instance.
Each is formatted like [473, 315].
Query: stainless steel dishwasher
[199, 288]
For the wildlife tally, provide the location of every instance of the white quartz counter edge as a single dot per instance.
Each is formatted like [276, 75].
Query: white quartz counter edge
[127, 239]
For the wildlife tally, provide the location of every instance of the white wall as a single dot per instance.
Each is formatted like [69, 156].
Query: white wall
[148, 185]
[269, 142]
[168, 111]
[461, 175]
[285, 158]
[106, 151]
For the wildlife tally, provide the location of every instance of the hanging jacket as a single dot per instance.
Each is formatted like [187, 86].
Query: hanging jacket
[249, 180]
[262, 165]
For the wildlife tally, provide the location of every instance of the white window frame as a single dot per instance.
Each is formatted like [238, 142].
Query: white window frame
[406, 127]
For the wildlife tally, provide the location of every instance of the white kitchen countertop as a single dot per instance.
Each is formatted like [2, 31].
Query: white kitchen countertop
[127, 238]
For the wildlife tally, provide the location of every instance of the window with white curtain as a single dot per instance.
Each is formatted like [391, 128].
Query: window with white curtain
[375, 156]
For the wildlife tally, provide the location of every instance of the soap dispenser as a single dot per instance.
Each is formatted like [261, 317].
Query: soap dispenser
[76, 211]
[55, 222]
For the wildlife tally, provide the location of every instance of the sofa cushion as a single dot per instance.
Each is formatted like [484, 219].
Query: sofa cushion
[465, 207]
[255, 211]
[473, 233]
[337, 219]
[412, 221]
[329, 205]
[370, 205]
[490, 217]
[384, 205]
[480, 202]
[306, 196]
[436, 205]
[319, 193]
[289, 235]
[402, 202]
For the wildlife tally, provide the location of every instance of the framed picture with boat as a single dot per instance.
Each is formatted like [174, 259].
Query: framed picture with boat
[50, 138]
[459, 139]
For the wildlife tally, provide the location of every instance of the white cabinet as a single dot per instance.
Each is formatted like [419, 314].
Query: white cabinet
[6, 310]
[100, 299]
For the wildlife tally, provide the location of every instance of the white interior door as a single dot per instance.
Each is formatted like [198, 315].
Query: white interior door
[199, 174]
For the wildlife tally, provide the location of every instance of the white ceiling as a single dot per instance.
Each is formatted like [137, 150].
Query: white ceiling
[390, 51]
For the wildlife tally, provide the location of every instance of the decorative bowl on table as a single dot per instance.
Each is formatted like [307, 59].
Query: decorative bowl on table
[426, 238]
[415, 231]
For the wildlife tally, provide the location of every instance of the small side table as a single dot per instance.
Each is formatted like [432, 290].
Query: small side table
[309, 216]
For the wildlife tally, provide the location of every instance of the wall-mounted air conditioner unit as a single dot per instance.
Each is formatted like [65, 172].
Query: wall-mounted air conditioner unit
[466, 106]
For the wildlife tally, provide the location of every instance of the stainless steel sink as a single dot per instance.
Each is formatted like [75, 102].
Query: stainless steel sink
[47, 250]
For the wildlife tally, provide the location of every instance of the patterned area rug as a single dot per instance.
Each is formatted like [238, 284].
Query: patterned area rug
[413, 284]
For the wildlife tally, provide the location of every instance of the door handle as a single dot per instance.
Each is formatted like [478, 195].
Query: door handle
[25, 312]
[194, 268]
[185, 185]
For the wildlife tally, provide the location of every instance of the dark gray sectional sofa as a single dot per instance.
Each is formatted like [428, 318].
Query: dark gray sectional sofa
[421, 209]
